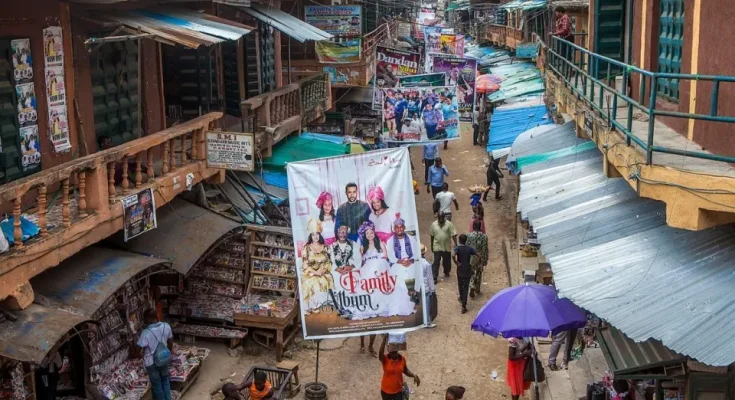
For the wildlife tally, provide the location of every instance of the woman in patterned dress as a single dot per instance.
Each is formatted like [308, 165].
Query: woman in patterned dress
[317, 277]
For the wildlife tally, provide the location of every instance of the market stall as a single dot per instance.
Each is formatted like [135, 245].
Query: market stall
[270, 303]
[16, 380]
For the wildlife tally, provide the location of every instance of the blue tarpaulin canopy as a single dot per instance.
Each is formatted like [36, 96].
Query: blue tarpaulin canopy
[507, 124]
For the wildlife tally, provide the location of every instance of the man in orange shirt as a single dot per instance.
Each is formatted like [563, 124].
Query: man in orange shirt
[394, 367]
[259, 388]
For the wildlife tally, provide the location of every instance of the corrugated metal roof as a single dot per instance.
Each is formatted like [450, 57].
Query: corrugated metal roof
[507, 123]
[612, 254]
[187, 28]
[524, 5]
[37, 329]
[627, 358]
[185, 233]
[82, 283]
[301, 148]
[287, 23]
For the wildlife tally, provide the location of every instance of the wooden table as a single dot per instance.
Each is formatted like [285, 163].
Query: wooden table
[286, 328]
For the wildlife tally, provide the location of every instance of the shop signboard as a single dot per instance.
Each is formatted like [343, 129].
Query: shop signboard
[338, 53]
[229, 150]
[139, 214]
[420, 114]
[336, 20]
[460, 72]
[356, 235]
[389, 65]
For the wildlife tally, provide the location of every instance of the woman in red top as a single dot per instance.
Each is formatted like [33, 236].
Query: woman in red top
[519, 352]
[394, 367]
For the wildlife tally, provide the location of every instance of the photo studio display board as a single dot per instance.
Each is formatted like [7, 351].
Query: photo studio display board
[420, 114]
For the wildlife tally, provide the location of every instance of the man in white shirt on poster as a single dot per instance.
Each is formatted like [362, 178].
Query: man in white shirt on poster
[443, 202]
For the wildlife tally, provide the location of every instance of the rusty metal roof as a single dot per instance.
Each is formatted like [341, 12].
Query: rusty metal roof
[287, 23]
[185, 233]
[174, 25]
[37, 329]
[627, 358]
[83, 282]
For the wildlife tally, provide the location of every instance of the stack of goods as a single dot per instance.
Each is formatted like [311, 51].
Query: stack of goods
[266, 306]
[208, 331]
[185, 360]
[215, 288]
[203, 306]
[273, 264]
[222, 272]
[127, 380]
[15, 388]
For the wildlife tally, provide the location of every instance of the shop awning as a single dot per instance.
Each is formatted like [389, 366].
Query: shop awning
[37, 329]
[82, 283]
[178, 26]
[287, 23]
[644, 360]
[185, 233]
[612, 253]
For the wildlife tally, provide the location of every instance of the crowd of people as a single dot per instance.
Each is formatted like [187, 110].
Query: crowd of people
[420, 114]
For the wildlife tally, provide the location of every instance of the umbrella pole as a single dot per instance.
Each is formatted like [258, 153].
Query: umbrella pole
[535, 374]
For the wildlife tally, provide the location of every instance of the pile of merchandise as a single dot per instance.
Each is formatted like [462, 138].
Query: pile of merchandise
[15, 387]
[203, 306]
[128, 380]
[208, 331]
[185, 360]
[267, 306]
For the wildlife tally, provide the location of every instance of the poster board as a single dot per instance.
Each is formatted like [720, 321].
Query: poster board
[139, 213]
[336, 20]
[460, 72]
[338, 53]
[345, 291]
[432, 113]
[53, 58]
[230, 150]
[389, 65]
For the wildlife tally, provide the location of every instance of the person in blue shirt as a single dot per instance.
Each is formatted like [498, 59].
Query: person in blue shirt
[431, 118]
[449, 110]
[431, 153]
[400, 109]
[436, 177]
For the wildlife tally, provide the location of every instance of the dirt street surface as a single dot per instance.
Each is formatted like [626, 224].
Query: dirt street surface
[450, 354]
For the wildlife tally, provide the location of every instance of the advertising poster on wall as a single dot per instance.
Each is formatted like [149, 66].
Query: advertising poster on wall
[229, 150]
[356, 234]
[337, 20]
[422, 80]
[20, 52]
[139, 214]
[55, 90]
[26, 94]
[338, 53]
[59, 128]
[432, 38]
[451, 44]
[420, 114]
[29, 148]
[53, 47]
[389, 65]
[460, 72]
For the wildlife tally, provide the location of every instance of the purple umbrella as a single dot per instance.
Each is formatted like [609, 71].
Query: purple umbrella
[528, 310]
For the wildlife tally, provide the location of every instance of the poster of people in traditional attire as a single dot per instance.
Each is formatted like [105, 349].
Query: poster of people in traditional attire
[420, 114]
[27, 112]
[356, 236]
[460, 72]
[29, 148]
[389, 65]
[20, 52]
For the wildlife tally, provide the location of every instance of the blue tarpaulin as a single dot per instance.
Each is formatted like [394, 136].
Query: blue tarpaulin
[507, 124]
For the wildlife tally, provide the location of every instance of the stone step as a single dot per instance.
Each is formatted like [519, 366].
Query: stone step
[579, 377]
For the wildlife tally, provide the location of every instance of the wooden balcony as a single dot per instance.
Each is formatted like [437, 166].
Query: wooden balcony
[275, 115]
[78, 203]
[506, 36]
[351, 74]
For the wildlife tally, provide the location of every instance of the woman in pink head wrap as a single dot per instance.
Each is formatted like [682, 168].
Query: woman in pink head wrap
[379, 215]
[326, 215]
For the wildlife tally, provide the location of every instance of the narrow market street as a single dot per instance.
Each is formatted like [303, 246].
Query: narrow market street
[450, 354]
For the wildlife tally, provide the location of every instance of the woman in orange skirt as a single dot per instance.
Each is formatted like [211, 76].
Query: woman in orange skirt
[519, 352]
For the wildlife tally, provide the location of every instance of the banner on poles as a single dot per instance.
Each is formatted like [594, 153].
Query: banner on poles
[356, 235]
[389, 65]
[460, 72]
[420, 114]
[336, 20]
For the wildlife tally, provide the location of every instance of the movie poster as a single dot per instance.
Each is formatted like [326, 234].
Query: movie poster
[55, 91]
[336, 20]
[420, 114]
[139, 214]
[451, 44]
[357, 239]
[53, 47]
[27, 114]
[58, 127]
[460, 72]
[20, 52]
[338, 53]
[29, 148]
[422, 80]
[389, 65]
[432, 38]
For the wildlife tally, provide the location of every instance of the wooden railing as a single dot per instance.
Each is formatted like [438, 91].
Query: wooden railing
[90, 188]
[275, 115]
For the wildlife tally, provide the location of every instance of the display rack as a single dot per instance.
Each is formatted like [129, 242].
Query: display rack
[17, 380]
[273, 263]
[223, 272]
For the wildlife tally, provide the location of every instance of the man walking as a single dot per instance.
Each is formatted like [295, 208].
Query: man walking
[443, 202]
[351, 214]
[475, 125]
[436, 177]
[442, 235]
[155, 334]
[493, 176]
[567, 338]
[478, 241]
[431, 153]
[462, 258]
[430, 297]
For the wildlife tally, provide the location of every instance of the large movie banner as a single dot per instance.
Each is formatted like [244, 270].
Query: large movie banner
[338, 20]
[389, 65]
[462, 73]
[420, 114]
[357, 239]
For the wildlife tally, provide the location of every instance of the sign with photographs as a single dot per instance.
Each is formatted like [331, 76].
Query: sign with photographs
[230, 150]
[337, 20]
[356, 234]
[53, 47]
[422, 80]
[20, 52]
[420, 114]
[460, 72]
[432, 38]
[338, 53]
[389, 65]
[29, 148]
[139, 214]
